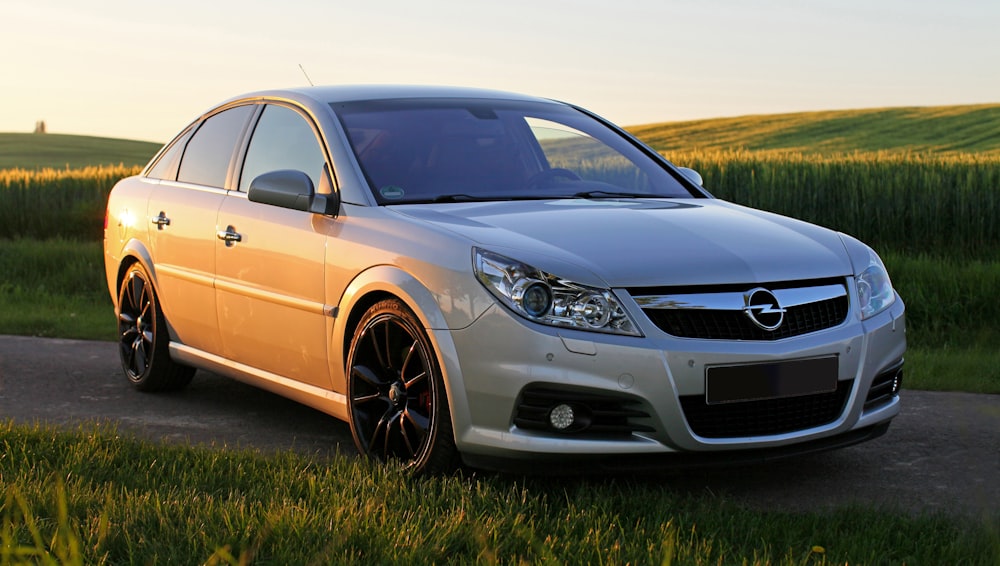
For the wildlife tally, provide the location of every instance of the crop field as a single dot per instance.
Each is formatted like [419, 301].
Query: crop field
[57, 203]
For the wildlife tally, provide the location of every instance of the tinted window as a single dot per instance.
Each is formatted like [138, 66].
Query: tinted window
[420, 150]
[166, 166]
[282, 140]
[208, 154]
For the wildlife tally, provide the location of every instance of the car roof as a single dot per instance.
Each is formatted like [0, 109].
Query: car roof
[350, 93]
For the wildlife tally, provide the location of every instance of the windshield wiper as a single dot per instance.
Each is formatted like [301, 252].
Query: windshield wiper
[613, 194]
[461, 197]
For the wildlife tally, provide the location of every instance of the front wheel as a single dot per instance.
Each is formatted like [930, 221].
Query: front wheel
[143, 343]
[396, 398]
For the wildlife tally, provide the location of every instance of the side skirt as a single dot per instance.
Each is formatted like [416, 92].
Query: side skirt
[329, 402]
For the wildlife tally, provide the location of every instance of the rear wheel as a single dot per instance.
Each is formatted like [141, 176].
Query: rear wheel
[397, 402]
[142, 337]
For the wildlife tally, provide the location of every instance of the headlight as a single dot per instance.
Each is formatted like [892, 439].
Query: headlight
[874, 288]
[547, 299]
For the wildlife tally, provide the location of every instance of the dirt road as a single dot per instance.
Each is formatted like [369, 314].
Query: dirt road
[941, 454]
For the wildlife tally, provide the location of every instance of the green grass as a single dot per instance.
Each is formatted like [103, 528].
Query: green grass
[96, 497]
[54, 288]
[939, 130]
[973, 369]
[58, 151]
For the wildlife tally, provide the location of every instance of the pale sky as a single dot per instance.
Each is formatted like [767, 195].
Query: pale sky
[143, 70]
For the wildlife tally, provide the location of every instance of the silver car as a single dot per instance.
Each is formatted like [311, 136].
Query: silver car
[486, 278]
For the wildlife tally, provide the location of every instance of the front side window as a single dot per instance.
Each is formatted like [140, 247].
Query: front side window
[441, 150]
[283, 139]
[208, 155]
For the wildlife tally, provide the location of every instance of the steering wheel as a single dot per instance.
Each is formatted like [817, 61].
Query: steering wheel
[543, 177]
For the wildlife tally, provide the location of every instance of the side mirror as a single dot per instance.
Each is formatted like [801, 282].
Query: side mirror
[293, 190]
[692, 175]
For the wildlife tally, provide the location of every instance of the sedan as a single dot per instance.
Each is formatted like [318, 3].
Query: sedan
[495, 280]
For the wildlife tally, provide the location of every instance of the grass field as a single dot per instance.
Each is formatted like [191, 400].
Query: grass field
[59, 151]
[941, 130]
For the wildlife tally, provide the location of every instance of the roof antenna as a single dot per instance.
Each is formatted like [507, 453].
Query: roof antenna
[306, 74]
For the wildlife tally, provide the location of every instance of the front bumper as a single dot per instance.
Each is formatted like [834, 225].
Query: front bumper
[501, 358]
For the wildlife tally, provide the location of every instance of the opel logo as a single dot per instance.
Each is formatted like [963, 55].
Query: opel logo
[763, 309]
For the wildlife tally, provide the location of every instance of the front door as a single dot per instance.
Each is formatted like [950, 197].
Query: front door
[270, 286]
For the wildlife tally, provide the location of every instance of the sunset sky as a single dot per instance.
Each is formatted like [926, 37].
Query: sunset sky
[142, 70]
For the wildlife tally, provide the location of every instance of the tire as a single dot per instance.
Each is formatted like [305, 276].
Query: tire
[396, 397]
[143, 339]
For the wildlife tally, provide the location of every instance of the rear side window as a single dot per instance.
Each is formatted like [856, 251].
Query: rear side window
[166, 165]
[208, 155]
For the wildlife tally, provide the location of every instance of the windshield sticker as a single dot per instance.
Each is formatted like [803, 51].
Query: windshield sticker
[392, 192]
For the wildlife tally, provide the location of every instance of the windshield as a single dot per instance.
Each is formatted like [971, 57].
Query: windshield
[454, 150]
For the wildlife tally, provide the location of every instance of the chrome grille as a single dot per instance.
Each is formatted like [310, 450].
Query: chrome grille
[719, 313]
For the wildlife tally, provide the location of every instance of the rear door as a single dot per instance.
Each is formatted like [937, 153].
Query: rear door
[270, 272]
[182, 213]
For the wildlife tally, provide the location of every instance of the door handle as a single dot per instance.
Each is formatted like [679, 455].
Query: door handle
[230, 236]
[161, 220]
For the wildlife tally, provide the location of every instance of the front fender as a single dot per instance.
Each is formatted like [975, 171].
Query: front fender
[386, 279]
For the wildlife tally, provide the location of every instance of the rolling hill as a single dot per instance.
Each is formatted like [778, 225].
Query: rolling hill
[58, 151]
[932, 129]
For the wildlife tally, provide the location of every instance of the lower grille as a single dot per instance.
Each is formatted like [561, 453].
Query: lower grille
[606, 415]
[885, 386]
[765, 417]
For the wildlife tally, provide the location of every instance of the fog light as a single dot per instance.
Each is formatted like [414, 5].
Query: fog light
[562, 416]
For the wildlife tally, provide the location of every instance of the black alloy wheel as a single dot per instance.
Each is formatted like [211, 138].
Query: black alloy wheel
[143, 344]
[398, 406]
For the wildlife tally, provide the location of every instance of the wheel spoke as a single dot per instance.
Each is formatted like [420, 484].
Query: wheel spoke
[139, 359]
[136, 291]
[126, 319]
[410, 448]
[413, 356]
[419, 421]
[385, 424]
[368, 376]
[422, 376]
[383, 361]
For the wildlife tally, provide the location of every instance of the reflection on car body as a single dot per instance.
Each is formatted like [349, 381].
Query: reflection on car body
[489, 278]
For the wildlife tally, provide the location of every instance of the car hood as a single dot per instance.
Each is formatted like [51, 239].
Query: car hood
[645, 242]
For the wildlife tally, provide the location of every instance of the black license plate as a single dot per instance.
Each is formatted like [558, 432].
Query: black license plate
[730, 384]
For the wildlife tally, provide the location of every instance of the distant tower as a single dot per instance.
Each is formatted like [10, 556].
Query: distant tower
[40, 127]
